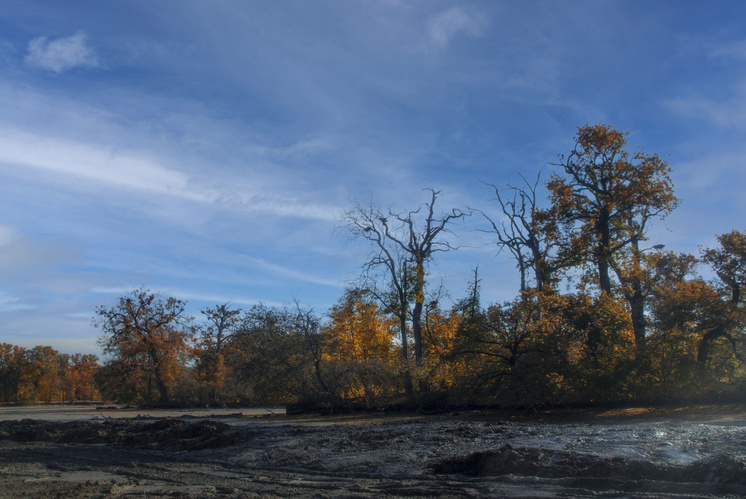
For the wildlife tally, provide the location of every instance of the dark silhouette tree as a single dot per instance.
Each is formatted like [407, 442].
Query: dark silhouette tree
[221, 322]
[729, 263]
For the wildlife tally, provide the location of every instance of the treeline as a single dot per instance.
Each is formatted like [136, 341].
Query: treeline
[599, 317]
[42, 374]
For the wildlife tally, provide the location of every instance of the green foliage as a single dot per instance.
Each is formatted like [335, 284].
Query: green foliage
[268, 359]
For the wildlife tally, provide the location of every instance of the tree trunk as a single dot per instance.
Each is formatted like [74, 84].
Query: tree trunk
[703, 351]
[162, 389]
[603, 250]
[405, 354]
[317, 370]
[417, 332]
[637, 312]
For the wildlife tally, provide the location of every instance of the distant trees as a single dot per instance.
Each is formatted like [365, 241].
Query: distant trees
[12, 367]
[220, 322]
[268, 357]
[599, 317]
[360, 359]
[145, 336]
[77, 376]
[41, 374]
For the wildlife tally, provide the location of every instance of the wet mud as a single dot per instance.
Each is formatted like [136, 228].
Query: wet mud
[456, 455]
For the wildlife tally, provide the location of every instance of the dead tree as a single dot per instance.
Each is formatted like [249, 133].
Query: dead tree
[403, 246]
[523, 232]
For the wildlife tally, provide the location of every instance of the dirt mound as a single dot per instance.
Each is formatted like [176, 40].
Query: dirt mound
[588, 469]
[166, 434]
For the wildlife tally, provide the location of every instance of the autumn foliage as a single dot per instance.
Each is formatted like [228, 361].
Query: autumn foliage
[42, 374]
[601, 314]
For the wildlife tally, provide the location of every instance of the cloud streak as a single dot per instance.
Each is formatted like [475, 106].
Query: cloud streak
[85, 161]
[294, 274]
[61, 54]
[725, 113]
[127, 170]
[444, 27]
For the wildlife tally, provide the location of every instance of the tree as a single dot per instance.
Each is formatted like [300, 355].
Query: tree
[267, 357]
[403, 244]
[605, 203]
[635, 270]
[41, 373]
[517, 351]
[309, 326]
[78, 380]
[221, 321]
[729, 263]
[12, 367]
[146, 336]
[358, 350]
[696, 332]
[357, 329]
[527, 233]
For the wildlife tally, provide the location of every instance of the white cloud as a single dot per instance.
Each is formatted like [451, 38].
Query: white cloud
[735, 50]
[10, 303]
[728, 113]
[61, 54]
[19, 253]
[140, 171]
[91, 162]
[447, 25]
[294, 274]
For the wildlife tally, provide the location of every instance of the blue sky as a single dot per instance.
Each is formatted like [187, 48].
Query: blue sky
[206, 149]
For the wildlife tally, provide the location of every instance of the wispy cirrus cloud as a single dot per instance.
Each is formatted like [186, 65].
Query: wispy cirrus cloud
[447, 25]
[734, 50]
[139, 171]
[183, 294]
[86, 161]
[725, 107]
[61, 54]
[729, 112]
[295, 274]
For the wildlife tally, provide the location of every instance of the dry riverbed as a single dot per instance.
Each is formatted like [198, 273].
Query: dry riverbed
[86, 452]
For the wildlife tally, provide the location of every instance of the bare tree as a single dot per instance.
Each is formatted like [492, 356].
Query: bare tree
[403, 245]
[221, 321]
[523, 231]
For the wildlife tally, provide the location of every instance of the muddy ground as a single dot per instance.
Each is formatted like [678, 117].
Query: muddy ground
[692, 452]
